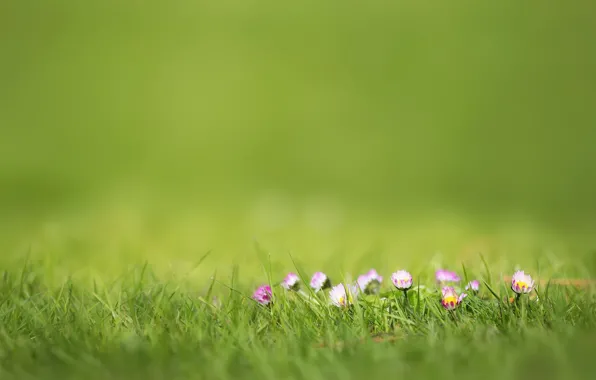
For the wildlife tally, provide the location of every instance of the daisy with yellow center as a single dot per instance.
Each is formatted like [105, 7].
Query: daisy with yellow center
[342, 295]
[402, 280]
[450, 300]
[522, 283]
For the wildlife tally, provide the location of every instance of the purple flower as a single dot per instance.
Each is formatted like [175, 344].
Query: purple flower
[291, 282]
[522, 283]
[473, 285]
[263, 295]
[402, 280]
[449, 298]
[370, 282]
[444, 275]
[320, 281]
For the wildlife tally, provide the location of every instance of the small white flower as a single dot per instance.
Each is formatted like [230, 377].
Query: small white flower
[320, 281]
[473, 285]
[370, 282]
[444, 275]
[402, 279]
[450, 299]
[343, 296]
[291, 282]
[522, 283]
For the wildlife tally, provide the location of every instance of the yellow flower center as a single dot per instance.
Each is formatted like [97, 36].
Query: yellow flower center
[522, 284]
[450, 300]
[345, 300]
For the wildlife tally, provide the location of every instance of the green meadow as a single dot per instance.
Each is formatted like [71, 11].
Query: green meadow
[161, 160]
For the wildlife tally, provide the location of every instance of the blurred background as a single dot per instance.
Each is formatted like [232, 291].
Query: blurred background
[347, 134]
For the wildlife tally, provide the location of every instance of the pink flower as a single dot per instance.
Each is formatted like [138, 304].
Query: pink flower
[291, 282]
[522, 283]
[474, 285]
[320, 281]
[370, 282]
[444, 275]
[449, 298]
[402, 280]
[263, 295]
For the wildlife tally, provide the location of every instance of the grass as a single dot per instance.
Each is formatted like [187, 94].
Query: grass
[142, 327]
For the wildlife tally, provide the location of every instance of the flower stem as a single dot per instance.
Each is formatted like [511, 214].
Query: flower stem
[453, 316]
[406, 302]
[523, 311]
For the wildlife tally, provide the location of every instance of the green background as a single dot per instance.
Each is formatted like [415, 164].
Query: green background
[138, 135]
[348, 134]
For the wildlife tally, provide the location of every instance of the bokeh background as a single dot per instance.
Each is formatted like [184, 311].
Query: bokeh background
[346, 134]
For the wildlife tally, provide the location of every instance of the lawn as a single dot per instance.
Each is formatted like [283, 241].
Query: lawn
[139, 326]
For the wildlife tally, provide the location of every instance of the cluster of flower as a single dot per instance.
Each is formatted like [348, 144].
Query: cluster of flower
[344, 295]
